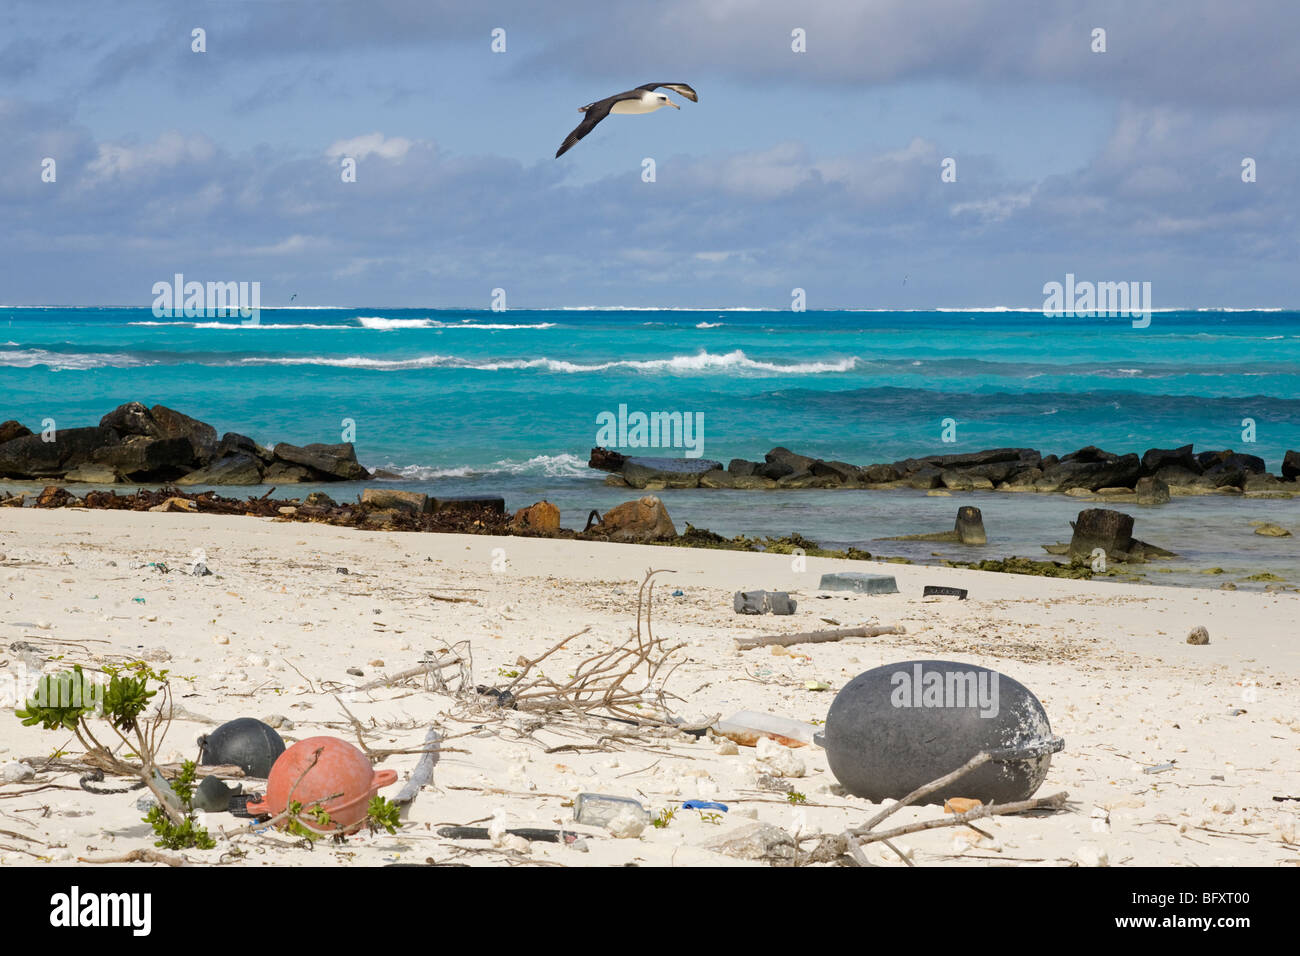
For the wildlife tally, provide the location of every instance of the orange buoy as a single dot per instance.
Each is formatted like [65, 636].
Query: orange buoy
[326, 772]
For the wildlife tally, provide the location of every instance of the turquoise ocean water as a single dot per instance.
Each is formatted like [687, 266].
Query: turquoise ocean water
[471, 401]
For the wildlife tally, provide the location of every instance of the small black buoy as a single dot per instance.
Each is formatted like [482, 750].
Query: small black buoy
[246, 743]
[212, 795]
[898, 727]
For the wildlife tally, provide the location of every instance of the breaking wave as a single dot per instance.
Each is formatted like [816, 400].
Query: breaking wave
[548, 466]
[382, 324]
[680, 364]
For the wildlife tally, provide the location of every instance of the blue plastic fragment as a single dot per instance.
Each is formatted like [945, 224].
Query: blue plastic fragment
[704, 805]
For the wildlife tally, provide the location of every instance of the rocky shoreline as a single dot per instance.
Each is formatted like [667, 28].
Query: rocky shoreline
[1151, 478]
[160, 445]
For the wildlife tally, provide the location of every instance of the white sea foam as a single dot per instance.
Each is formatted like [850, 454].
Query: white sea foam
[735, 361]
[708, 325]
[251, 326]
[548, 466]
[68, 361]
[384, 324]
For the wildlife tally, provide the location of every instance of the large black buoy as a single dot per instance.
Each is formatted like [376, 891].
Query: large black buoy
[898, 727]
[245, 743]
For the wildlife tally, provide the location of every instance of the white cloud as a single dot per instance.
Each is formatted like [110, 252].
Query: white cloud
[359, 147]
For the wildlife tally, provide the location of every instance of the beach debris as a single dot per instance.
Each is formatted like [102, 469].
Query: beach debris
[748, 727]
[525, 833]
[960, 804]
[199, 563]
[626, 825]
[816, 685]
[893, 728]
[817, 637]
[940, 590]
[341, 571]
[704, 805]
[859, 582]
[1271, 530]
[355, 672]
[542, 516]
[16, 772]
[1198, 635]
[326, 773]
[213, 795]
[1159, 768]
[503, 698]
[754, 841]
[726, 747]
[244, 742]
[638, 522]
[776, 759]
[278, 722]
[423, 772]
[763, 602]
[220, 639]
[767, 781]
[600, 810]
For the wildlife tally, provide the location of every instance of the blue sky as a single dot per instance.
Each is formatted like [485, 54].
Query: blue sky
[818, 170]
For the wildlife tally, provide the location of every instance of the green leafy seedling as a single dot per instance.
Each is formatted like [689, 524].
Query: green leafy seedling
[383, 814]
[663, 818]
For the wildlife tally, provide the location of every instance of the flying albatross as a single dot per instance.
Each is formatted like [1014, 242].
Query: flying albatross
[643, 99]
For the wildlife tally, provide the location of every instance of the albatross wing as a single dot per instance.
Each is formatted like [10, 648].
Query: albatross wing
[594, 114]
[681, 88]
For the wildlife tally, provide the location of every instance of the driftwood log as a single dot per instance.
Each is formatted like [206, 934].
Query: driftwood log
[817, 637]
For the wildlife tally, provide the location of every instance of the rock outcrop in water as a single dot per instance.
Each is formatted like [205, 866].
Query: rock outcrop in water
[133, 443]
[1147, 479]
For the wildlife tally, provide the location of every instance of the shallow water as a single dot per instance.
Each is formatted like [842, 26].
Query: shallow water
[473, 402]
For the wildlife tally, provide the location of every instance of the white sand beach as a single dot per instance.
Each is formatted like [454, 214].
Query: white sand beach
[277, 624]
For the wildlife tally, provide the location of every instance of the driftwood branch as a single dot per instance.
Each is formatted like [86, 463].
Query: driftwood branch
[1054, 802]
[423, 771]
[817, 637]
[408, 674]
[861, 835]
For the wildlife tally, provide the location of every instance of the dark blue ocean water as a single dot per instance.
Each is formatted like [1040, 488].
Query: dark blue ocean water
[470, 400]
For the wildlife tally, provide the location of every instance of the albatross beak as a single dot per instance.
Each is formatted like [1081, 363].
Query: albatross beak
[673, 105]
